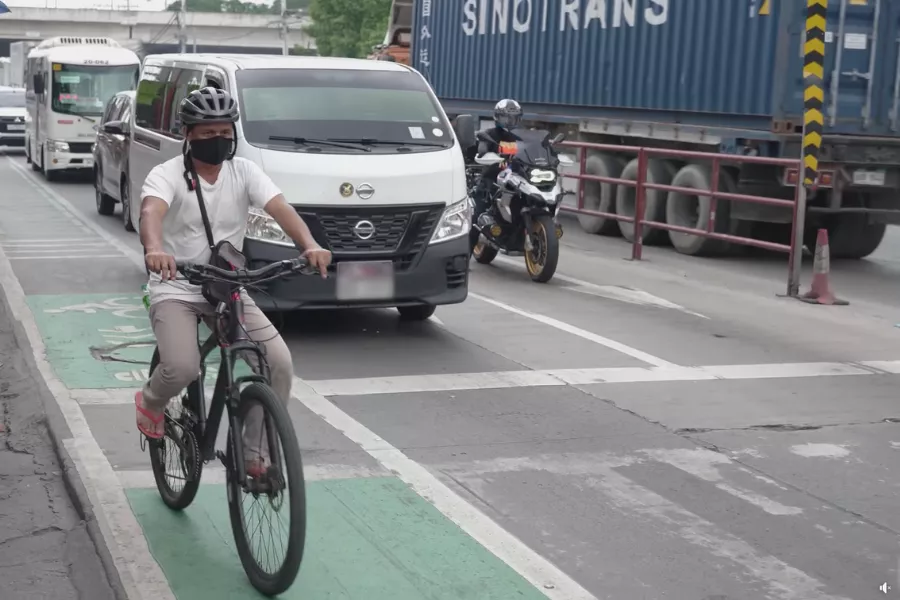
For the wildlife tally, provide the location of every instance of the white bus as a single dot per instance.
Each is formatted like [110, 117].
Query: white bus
[69, 80]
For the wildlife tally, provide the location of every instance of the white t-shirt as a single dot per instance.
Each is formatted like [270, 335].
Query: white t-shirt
[241, 185]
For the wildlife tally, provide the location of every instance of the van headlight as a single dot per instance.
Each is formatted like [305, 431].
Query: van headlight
[57, 146]
[455, 222]
[263, 228]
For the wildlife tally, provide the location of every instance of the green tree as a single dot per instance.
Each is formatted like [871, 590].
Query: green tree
[301, 51]
[348, 27]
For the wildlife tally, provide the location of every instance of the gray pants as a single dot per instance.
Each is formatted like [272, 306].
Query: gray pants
[174, 324]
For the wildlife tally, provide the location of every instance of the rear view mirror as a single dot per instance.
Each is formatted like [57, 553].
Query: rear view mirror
[38, 83]
[560, 137]
[115, 128]
[489, 158]
[565, 159]
[464, 126]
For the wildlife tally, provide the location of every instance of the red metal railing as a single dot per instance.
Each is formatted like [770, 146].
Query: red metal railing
[641, 186]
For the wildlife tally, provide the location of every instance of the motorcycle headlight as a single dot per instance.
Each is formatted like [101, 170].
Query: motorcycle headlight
[542, 176]
[57, 146]
[455, 222]
[263, 228]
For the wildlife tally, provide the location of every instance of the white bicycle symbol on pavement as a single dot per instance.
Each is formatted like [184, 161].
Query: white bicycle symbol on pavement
[115, 306]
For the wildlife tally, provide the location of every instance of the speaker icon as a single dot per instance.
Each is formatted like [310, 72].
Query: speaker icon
[884, 587]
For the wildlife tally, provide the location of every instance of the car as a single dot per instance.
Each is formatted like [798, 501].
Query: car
[361, 149]
[111, 184]
[12, 117]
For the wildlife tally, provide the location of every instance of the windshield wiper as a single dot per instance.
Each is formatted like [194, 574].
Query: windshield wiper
[75, 114]
[316, 142]
[379, 142]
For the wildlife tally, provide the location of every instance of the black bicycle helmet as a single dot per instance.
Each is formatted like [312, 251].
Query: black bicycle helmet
[507, 113]
[208, 105]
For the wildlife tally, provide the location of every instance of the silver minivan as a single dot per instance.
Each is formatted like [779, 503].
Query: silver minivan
[364, 152]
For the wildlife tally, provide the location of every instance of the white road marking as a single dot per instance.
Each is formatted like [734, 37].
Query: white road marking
[887, 366]
[143, 478]
[140, 574]
[587, 335]
[536, 569]
[784, 582]
[448, 382]
[66, 257]
[613, 292]
[702, 463]
[65, 206]
[820, 450]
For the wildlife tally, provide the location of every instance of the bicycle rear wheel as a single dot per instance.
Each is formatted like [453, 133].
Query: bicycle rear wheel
[280, 487]
[175, 459]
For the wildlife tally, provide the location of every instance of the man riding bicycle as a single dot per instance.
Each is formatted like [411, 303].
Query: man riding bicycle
[172, 229]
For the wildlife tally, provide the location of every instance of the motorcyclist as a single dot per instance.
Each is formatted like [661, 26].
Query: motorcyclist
[507, 116]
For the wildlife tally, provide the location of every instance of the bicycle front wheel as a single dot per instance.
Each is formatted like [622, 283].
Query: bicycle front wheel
[272, 498]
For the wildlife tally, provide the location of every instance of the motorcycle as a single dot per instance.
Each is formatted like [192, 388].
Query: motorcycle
[524, 203]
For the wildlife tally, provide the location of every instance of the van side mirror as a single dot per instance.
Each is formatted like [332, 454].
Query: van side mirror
[38, 84]
[464, 127]
[115, 128]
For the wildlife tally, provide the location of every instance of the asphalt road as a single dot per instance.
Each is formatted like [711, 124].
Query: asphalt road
[669, 429]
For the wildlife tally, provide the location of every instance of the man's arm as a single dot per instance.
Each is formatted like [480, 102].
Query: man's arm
[290, 222]
[153, 210]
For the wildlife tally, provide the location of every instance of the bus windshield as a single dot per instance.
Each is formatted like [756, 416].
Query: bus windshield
[84, 89]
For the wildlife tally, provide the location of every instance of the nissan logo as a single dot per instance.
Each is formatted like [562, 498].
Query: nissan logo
[364, 230]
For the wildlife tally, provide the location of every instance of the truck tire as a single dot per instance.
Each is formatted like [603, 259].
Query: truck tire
[688, 210]
[601, 196]
[658, 171]
[850, 236]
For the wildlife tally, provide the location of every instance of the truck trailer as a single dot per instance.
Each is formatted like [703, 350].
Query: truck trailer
[719, 76]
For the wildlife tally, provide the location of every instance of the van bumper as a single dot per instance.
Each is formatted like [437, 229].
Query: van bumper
[440, 276]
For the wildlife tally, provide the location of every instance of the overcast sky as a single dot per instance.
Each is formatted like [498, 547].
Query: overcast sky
[107, 4]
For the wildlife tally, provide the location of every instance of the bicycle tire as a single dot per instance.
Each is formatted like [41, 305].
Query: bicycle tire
[271, 584]
[176, 500]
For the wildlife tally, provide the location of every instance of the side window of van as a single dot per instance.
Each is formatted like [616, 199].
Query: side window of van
[185, 82]
[150, 98]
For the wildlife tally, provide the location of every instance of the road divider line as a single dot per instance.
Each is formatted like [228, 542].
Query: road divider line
[141, 576]
[67, 207]
[144, 479]
[534, 568]
[449, 382]
[577, 331]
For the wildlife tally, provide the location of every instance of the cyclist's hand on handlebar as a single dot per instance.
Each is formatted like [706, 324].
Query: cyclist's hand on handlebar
[162, 263]
[318, 258]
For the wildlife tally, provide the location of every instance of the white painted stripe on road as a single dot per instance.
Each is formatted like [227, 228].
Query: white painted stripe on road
[576, 331]
[68, 256]
[215, 475]
[64, 205]
[613, 292]
[141, 576]
[536, 569]
[784, 581]
[887, 366]
[448, 382]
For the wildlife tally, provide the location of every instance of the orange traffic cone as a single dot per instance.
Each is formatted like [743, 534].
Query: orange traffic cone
[820, 291]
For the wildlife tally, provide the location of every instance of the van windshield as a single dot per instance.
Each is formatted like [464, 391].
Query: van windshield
[340, 106]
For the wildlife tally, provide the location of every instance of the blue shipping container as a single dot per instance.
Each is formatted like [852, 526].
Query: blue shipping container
[723, 63]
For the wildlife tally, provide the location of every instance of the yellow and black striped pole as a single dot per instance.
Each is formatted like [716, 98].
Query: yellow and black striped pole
[813, 128]
[814, 91]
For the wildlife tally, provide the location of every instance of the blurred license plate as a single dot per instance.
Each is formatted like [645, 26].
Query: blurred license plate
[371, 280]
[869, 177]
[15, 128]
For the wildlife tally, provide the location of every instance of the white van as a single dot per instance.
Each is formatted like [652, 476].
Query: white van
[361, 148]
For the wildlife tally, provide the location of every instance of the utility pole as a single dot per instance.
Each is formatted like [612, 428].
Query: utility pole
[284, 29]
[182, 27]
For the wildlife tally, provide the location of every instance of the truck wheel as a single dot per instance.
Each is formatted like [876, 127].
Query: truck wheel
[689, 210]
[601, 196]
[850, 236]
[658, 171]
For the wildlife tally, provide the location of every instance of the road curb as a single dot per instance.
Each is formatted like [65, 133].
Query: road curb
[58, 432]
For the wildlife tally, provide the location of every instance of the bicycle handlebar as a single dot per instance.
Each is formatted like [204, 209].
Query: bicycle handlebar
[206, 271]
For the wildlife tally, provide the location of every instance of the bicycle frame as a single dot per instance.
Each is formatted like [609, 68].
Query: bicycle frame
[227, 389]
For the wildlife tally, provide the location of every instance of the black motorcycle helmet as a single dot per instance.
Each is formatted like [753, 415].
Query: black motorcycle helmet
[507, 114]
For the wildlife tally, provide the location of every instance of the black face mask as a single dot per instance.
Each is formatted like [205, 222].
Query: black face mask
[212, 151]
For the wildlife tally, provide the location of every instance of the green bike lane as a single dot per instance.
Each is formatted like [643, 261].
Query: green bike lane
[369, 537]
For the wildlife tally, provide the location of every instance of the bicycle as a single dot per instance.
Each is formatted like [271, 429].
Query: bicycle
[193, 433]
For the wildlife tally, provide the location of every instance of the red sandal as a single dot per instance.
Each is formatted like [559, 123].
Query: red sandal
[155, 419]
